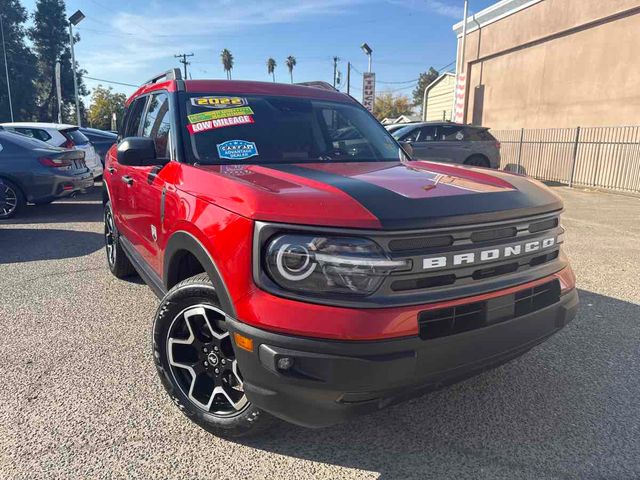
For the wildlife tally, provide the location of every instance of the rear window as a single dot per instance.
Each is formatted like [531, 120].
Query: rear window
[272, 129]
[478, 135]
[76, 136]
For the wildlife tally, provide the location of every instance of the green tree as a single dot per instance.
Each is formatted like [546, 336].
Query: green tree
[423, 82]
[20, 63]
[227, 62]
[389, 105]
[271, 68]
[50, 39]
[104, 103]
[291, 62]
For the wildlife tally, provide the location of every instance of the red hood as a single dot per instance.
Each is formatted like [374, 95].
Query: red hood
[391, 195]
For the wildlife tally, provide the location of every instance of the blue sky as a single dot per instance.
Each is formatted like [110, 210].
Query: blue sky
[131, 41]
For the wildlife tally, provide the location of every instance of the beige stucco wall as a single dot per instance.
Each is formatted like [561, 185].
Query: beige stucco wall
[557, 63]
[440, 99]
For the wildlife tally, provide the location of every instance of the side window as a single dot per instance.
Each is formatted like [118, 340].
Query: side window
[133, 117]
[412, 136]
[157, 123]
[451, 133]
[427, 134]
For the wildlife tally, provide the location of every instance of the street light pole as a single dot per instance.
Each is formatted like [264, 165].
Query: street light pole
[368, 51]
[6, 68]
[75, 19]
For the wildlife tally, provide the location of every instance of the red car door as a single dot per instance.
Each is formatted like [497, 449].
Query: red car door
[146, 184]
[117, 175]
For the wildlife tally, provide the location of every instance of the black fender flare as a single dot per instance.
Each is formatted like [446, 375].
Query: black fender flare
[184, 241]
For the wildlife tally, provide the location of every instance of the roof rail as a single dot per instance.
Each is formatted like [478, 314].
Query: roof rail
[172, 74]
[318, 84]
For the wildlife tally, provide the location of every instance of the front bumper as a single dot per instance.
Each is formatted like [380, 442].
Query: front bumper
[331, 381]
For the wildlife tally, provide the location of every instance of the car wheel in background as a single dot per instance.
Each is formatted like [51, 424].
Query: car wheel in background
[477, 161]
[117, 260]
[11, 199]
[196, 362]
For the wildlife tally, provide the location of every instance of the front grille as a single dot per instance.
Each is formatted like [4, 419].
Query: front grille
[444, 322]
[479, 240]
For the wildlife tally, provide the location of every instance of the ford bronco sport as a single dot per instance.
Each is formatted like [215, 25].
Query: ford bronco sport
[313, 275]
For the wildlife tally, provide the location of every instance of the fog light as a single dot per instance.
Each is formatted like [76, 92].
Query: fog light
[284, 363]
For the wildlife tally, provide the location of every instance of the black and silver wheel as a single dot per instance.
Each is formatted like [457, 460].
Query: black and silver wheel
[197, 364]
[477, 161]
[11, 199]
[119, 264]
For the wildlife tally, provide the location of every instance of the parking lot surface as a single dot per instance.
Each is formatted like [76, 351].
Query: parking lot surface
[80, 397]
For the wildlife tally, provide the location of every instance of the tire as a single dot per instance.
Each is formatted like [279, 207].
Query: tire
[11, 198]
[477, 161]
[117, 260]
[190, 342]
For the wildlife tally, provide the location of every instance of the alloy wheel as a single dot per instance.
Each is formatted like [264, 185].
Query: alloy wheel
[10, 200]
[203, 363]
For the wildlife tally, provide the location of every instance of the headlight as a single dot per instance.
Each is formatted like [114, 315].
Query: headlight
[328, 265]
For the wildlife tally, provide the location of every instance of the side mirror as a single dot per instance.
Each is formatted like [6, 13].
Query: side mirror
[138, 152]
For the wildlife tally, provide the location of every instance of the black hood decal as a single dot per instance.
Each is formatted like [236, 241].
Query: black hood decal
[397, 212]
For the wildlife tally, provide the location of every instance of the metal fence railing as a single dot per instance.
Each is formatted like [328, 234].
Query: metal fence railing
[602, 157]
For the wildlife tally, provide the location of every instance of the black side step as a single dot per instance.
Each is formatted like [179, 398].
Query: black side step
[150, 277]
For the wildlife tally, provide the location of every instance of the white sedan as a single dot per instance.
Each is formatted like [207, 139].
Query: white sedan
[60, 135]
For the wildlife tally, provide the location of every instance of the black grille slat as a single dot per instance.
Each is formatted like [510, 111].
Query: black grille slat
[420, 243]
[544, 225]
[448, 321]
[494, 234]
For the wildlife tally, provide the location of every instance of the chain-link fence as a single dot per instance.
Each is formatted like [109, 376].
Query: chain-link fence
[603, 157]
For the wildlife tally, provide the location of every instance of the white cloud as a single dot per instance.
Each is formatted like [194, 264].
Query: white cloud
[137, 41]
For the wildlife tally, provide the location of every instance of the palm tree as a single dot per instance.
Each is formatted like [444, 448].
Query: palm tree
[291, 62]
[271, 67]
[227, 62]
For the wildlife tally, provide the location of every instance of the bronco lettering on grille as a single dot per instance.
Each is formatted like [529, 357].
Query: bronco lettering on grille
[490, 254]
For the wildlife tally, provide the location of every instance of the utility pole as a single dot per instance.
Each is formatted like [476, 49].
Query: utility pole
[6, 68]
[335, 67]
[348, 78]
[58, 90]
[184, 61]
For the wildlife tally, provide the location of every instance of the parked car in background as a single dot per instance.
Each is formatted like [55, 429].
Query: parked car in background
[100, 139]
[451, 142]
[60, 135]
[34, 171]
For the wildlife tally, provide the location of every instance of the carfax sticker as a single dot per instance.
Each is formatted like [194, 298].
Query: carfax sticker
[219, 102]
[216, 114]
[237, 150]
[219, 123]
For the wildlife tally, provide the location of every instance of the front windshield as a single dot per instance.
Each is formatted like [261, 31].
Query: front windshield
[267, 129]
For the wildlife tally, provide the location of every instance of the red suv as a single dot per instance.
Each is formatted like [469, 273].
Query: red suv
[307, 267]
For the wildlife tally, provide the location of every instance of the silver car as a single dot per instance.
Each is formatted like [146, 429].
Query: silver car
[451, 142]
[60, 135]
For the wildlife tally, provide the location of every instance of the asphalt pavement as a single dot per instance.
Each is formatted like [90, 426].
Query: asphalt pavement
[79, 397]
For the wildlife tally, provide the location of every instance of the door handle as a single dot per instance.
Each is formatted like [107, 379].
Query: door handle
[111, 170]
[127, 179]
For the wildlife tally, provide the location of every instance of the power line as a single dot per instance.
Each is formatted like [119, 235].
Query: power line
[111, 81]
[184, 61]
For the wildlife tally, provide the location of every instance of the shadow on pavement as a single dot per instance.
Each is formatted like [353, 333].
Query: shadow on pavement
[81, 208]
[18, 245]
[556, 412]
